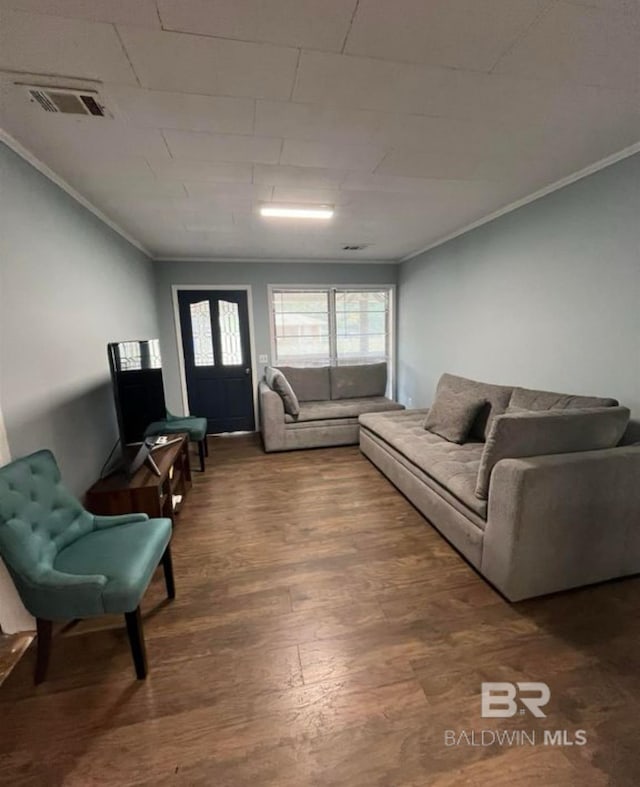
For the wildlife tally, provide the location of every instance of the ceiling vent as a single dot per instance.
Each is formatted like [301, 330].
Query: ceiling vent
[67, 101]
[355, 246]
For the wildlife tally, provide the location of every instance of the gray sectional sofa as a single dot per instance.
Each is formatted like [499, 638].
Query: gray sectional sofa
[542, 495]
[319, 406]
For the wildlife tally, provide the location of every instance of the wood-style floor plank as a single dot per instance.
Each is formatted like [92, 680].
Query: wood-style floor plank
[324, 635]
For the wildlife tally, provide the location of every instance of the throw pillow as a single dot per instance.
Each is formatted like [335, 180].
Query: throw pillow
[452, 414]
[496, 399]
[279, 383]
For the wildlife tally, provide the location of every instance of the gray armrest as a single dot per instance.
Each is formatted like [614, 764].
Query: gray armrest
[271, 418]
[562, 521]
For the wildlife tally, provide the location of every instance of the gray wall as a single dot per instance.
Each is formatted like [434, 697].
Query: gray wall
[259, 275]
[68, 285]
[547, 296]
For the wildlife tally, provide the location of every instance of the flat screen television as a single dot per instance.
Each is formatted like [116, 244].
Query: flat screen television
[136, 373]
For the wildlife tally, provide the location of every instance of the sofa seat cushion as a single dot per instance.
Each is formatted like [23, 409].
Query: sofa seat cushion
[342, 408]
[453, 466]
[196, 428]
[127, 555]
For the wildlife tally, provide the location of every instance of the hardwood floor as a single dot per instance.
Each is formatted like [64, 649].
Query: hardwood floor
[323, 634]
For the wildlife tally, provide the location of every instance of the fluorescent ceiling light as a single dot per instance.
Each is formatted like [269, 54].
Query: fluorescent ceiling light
[276, 210]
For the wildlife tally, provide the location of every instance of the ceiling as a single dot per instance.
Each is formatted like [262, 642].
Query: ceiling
[414, 118]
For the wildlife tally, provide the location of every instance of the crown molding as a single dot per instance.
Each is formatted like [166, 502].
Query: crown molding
[35, 162]
[558, 184]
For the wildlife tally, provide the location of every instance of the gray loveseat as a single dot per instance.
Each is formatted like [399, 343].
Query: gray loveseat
[543, 494]
[326, 404]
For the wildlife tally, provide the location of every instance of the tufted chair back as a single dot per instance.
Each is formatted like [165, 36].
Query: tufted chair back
[38, 518]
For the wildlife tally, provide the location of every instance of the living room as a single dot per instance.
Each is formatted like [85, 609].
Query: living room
[477, 168]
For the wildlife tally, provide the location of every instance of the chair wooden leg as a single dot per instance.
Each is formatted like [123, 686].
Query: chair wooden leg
[44, 631]
[167, 564]
[206, 445]
[201, 454]
[136, 640]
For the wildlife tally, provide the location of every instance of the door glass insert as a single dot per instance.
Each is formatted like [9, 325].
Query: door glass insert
[229, 324]
[201, 332]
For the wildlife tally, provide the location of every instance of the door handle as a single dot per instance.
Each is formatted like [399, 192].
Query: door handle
[247, 371]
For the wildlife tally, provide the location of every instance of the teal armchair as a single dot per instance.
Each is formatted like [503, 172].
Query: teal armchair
[67, 563]
[193, 425]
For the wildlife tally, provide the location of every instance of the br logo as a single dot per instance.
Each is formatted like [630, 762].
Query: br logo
[500, 700]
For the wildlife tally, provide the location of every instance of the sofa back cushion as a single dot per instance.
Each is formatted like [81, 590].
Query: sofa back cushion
[530, 399]
[276, 380]
[538, 433]
[354, 382]
[310, 383]
[496, 398]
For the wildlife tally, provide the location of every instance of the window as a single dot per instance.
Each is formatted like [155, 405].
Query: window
[321, 326]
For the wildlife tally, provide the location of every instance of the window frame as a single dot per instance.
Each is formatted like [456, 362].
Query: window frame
[332, 289]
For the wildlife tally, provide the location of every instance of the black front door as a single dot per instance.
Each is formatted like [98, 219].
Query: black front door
[217, 358]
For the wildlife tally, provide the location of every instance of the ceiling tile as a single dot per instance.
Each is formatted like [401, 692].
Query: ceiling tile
[195, 171]
[313, 24]
[312, 196]
[357, 181]
[121, 12]
[223, 147]
[305, 153]
[69, 47]
[457, 33]
[315, 122]
[82, 167]
[421, 131]
[436, 163]
[124, 188]
[228, 191]
[298, 177]
[95, 138]
[628, 6]
[367, 83]
[573, 43]
[210, 66]
[159, 109]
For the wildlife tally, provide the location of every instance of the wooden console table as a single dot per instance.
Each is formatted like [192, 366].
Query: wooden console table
[146, 492]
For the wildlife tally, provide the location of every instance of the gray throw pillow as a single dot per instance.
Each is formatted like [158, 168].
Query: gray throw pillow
[496, 399]
[452, 414]
[279, 383]
[539, 433]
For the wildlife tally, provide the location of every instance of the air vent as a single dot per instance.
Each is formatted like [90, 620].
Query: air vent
[355, 246]
[67, 101]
